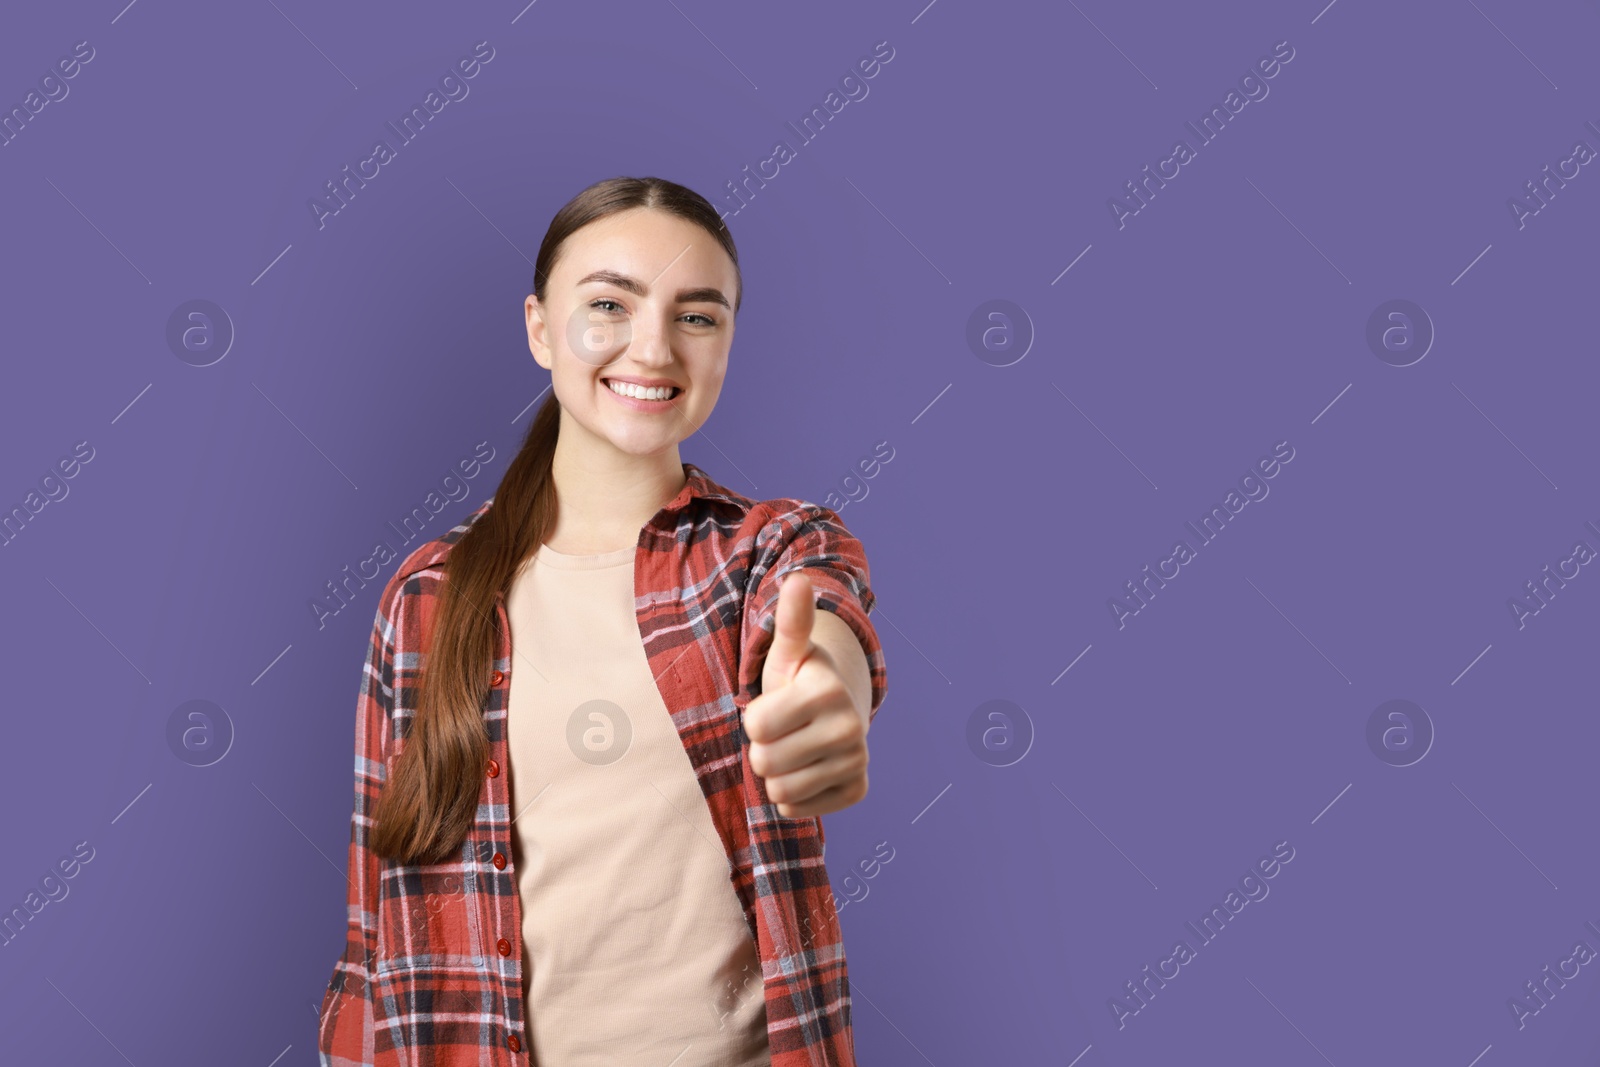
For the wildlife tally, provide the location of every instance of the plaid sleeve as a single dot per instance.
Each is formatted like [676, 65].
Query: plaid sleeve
[814, 537]
[345, 1024]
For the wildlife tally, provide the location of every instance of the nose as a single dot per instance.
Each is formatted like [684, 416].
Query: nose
[650, 344]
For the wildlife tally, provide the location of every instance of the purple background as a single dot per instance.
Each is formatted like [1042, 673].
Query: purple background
[1226, 316]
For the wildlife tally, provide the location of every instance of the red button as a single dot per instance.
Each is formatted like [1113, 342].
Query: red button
[500, 861]
[497, 677]
[514, 1043]
[504, 946]
[494, 769]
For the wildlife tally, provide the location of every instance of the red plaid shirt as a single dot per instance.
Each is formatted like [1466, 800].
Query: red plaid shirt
[432, 966]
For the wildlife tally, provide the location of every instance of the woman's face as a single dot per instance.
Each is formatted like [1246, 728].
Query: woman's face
[640, 296]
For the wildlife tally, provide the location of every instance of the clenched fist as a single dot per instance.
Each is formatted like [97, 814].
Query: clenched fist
[807, 729]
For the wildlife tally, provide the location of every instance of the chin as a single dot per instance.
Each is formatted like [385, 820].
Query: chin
[644, 444]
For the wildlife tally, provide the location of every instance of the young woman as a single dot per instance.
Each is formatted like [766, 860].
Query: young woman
[599, 720]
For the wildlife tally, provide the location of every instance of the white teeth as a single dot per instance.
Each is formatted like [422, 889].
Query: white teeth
[641, 393]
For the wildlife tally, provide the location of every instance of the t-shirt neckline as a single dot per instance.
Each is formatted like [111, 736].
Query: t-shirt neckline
[549, 557]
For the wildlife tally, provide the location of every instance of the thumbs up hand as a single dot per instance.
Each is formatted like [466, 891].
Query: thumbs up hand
[808, 734]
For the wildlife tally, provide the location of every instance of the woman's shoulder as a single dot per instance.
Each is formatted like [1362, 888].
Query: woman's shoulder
[433, 553]
[753, 515]
[408, 595]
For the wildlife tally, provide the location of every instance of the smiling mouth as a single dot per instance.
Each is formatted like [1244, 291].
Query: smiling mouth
[658, 394]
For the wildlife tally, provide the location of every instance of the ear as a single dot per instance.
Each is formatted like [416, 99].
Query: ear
[538, 344]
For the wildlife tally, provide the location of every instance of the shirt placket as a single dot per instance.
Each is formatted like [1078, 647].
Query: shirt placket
[505, 904]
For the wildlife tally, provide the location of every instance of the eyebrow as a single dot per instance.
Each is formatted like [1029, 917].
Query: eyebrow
[705, 294]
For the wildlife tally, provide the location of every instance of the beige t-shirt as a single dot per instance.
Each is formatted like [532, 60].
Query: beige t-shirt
[635, 948]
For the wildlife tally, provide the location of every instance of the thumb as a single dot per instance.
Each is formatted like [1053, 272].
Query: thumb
[791, 636]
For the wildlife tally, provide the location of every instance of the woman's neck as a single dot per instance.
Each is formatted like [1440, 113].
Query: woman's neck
[604, 503]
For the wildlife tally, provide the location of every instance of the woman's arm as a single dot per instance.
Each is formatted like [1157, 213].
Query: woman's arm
[345, 1025]
[813, 661]
[814, 540]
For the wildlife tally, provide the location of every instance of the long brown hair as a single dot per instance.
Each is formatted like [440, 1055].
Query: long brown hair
[429, 802]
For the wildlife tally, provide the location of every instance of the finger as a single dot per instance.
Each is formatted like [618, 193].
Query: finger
[799, 786]
[821, 738]
[778, 713]
[825, 803]
[791, 633]
[815, 690]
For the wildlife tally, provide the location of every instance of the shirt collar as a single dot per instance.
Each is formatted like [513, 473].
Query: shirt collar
[697, 485]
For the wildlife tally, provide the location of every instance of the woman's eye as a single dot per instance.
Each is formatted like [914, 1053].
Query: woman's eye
[605, 303]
